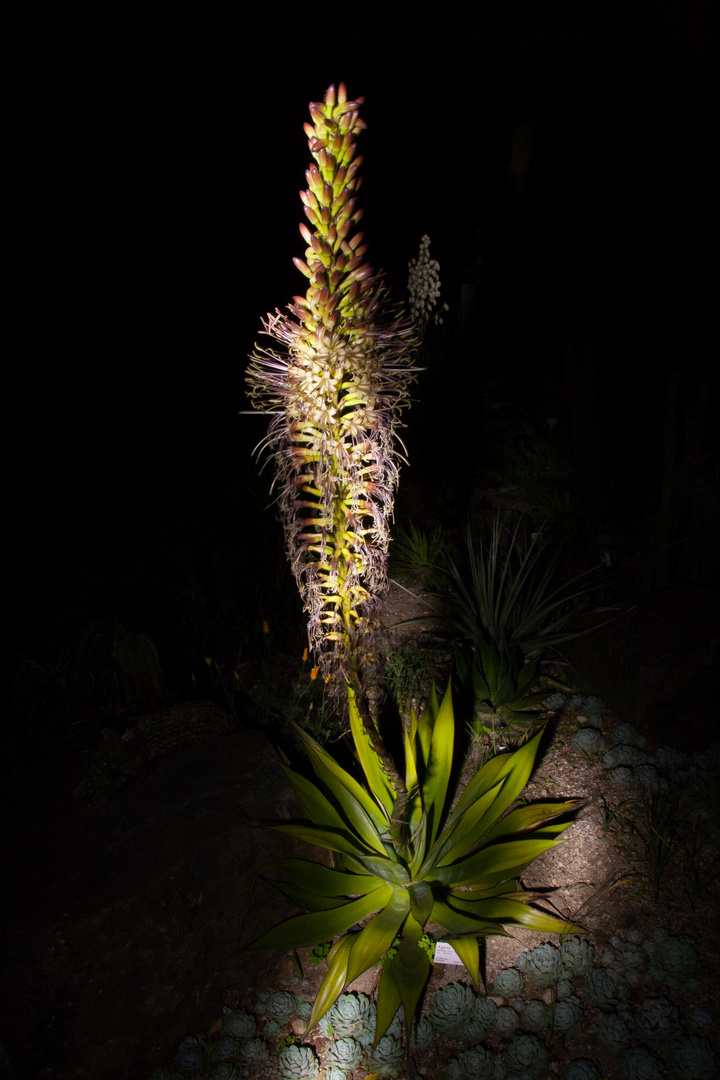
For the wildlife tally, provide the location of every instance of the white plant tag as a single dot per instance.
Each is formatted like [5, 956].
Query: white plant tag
[445, 954]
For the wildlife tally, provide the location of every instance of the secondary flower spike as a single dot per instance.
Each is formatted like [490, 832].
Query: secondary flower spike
[335, 381]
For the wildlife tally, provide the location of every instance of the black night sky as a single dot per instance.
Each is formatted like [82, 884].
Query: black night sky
[158, 152]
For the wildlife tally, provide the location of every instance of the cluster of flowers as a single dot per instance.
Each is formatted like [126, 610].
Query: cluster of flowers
[424, 287]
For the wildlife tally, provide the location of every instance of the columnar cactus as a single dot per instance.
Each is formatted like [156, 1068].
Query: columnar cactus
[335, 389]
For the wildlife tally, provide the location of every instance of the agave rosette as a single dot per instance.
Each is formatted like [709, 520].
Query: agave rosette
[335, 389]
[453, 873]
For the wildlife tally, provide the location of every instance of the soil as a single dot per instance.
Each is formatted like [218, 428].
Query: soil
[124, 929]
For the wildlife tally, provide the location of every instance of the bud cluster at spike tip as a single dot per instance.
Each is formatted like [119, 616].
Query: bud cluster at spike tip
[336, 386]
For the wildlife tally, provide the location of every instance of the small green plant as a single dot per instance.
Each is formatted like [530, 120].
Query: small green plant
[411, 864]
[507, 590]
[416, 553]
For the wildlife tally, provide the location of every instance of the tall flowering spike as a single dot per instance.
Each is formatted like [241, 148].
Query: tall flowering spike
[336, 382]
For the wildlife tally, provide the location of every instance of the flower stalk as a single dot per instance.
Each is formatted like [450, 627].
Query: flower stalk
[335, 381]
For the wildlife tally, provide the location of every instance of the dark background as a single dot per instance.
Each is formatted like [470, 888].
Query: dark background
[156, 157]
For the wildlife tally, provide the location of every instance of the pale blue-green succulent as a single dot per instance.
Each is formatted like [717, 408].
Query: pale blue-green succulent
[238, 1024]
[694, 1058]
[474, 1064]
[509, 983]
[526, 1059]
[566, 1015]
[542, 965]
[451, 1008]
[422, 1036]
[582, 1069]
[252, 1051]
[576, 957]
[673, 961]
[225, 1070]
[506, 1021]
[614, 1031]
[535, 1016]
[637, 1063]
[589, 741]
[606, 988]
[279, 1006]
[387, 1054]
[344, 1053]
[297, 1062]
[627, 735]
[227, 1047]
[190, 1055]
[349, 1015]
[657, 1020]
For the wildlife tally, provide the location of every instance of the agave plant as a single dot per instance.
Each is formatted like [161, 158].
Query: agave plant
[410, 864]
[335, 388]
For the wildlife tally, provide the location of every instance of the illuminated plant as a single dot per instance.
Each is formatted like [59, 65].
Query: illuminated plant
[412, 864]
[335, 383]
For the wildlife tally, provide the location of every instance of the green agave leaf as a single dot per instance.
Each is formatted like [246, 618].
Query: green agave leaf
[316, 805]
[388, 1002]
[456, 924]
[388, 869]
[361, 810]
[410, 969]
[468, 950]
[508, 910]
[490, 863]
[437, 774]
[316, 927]
[426, 724]
[333, 983]
[463, 831]
[421, 901]
[418, 842]
[376, 777]
[375, 939]
[304, 898]
[531, 816]
[334, 840]
[322, 879]
[516, 772]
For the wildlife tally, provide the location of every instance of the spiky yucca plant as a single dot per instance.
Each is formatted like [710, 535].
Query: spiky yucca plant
[335, 389]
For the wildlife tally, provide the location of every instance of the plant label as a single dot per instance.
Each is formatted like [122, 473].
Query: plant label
[445, 954]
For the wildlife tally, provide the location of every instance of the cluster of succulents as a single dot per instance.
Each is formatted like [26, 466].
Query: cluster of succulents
[624, 1000]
